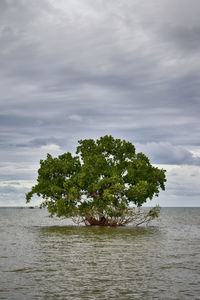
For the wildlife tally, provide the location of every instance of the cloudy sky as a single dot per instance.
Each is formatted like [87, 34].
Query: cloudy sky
[75, 69]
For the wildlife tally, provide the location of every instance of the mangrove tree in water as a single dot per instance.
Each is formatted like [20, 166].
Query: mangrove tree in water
[105, 184]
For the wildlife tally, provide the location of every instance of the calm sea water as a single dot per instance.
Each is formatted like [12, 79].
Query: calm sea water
[45, 258]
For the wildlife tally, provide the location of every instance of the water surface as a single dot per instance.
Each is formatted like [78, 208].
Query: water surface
[45, 258]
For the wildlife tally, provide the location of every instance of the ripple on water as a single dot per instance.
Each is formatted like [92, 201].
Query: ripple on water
[42, 260]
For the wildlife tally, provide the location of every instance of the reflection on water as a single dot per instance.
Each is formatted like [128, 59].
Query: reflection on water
[97, 232]
[40, 259]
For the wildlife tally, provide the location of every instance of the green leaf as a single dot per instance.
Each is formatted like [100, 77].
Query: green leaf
[102, 181]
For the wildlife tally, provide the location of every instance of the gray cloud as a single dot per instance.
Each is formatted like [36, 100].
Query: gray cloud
[186, 38]
[10, 189]
[82, 69]
[166, 153]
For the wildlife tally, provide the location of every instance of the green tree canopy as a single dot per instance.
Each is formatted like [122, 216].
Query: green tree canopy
[100, 184]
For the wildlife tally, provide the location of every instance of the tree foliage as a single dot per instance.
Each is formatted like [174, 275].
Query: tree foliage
[100, 184]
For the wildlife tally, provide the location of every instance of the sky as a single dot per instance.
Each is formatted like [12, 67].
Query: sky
[76, 69]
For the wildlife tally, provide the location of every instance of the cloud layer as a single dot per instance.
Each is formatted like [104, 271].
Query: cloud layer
[81, 69]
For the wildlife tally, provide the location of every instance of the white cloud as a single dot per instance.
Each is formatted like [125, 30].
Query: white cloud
[77, 118]
[52, 149]
[182, 187]
[18, 184]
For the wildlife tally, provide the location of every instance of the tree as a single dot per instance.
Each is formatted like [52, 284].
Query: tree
[102, 185]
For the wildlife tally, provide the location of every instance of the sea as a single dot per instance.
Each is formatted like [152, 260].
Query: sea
[51, 258]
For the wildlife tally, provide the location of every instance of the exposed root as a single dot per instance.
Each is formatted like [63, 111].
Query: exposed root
[137, 217]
